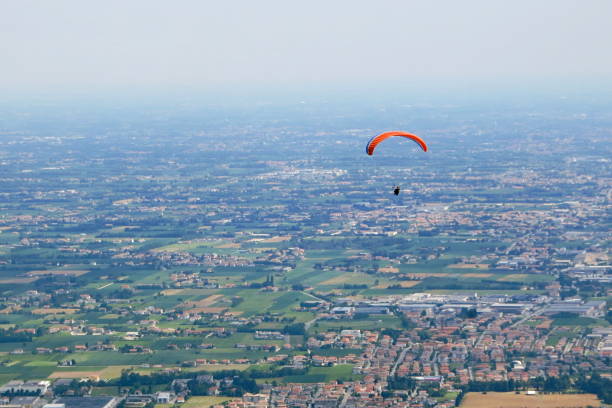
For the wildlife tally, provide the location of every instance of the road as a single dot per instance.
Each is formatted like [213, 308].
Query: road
[435, 364]
[480, 338]
[313, 296]
[310, 323]
[347, 394]
[518, 241]
[400, 360]
[528, 316]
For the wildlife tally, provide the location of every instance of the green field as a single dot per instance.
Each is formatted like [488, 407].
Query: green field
[579, 321]
[318, 374]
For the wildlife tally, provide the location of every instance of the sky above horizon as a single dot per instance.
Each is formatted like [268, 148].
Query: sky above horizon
[72, 44]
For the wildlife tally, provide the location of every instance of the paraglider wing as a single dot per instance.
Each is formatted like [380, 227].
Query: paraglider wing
[383, 136]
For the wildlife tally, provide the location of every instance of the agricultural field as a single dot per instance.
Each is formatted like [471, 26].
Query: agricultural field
[522, 400]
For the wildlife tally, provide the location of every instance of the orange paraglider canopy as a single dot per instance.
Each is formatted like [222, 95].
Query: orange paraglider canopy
[383, 136]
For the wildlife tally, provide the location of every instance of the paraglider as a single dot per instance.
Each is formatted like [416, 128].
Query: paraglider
[384, 136]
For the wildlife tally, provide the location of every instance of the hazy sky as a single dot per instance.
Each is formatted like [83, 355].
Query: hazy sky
[150, 43]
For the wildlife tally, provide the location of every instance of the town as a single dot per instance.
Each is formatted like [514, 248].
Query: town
[277, 268]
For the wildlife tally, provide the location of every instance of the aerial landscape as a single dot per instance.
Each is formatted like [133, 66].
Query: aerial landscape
[245, 251]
